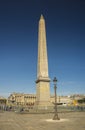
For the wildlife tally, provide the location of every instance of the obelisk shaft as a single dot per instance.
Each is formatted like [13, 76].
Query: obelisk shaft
[42, 68]
[43, 81]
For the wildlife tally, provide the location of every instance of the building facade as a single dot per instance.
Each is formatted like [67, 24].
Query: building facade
[21, 99]
[30, 99]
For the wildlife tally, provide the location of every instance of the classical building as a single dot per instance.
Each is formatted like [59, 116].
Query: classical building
[22, 99]
[28, 100]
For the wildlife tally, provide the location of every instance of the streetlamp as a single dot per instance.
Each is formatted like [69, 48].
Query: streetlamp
[56, 112]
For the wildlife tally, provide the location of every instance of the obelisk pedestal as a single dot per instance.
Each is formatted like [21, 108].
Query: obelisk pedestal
[43, 80]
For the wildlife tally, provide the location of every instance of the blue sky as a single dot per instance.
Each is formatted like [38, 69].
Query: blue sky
[65, 29]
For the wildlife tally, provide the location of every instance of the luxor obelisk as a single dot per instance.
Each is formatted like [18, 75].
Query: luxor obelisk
[43, 80]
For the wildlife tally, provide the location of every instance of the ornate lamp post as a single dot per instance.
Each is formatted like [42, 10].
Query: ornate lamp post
[56, 112]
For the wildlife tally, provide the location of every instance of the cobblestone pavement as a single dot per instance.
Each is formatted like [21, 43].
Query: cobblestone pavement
[14, 121]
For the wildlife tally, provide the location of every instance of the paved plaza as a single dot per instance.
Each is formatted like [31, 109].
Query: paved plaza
[15, 121]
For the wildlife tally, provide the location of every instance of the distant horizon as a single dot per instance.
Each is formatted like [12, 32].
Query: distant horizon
[50, 94]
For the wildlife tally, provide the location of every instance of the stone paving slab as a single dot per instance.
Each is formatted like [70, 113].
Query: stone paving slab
[13, 121]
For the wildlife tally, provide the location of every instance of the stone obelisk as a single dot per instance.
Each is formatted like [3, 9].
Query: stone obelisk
[43, 80]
